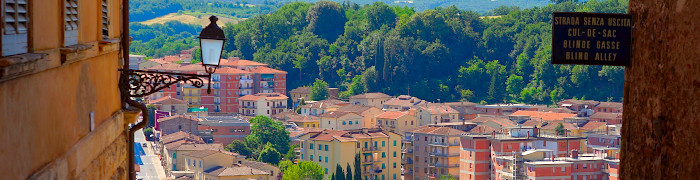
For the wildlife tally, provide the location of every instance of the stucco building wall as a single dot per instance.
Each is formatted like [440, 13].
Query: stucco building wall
[662, 88]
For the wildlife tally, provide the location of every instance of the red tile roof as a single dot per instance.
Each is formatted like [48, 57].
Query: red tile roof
[485, 118]
[437, 130]
[593, 125]
[230, 70]
[392, 114]
[602, 115]
[356, 108]
[503, 122]
[266, 70]
[481, 129]
[267, 96]
[301, 90]
[335, 114]
[167, 100]
[547, 116]
[553, 125]
[435, 108]
[177, 117]
[240, 62]
[325, 103]
[614, 105]
[304, 119]
[370, 96]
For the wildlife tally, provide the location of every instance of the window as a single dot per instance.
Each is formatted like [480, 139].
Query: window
[394, 142]
[383, 143]
[325, 147]
[343, 122]
[350, 122]
[302, 158]
[383, 166]
[394, 153]
[383, 154]
[319, 147]
[320, 158]
[394, 174]
[71, 23]
[311, 157]
[200, 164]
[105, 19]
[188, 161]
[326, 159]
[326, 170]
[311, 146]
[14, 29]
[563, 169]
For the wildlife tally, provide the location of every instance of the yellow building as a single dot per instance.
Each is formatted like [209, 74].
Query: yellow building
[61, 114]
[192, 95]
[305, 121]
[397, 121]
[368, 113]
[370, 99]
[174, 160]
[379, 151]
[340, 120]
[319, 107]
[220, 164]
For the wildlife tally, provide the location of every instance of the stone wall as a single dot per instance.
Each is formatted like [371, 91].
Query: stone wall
[661, 132]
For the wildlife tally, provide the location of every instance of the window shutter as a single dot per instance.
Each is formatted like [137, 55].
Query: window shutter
[105, 20]
[71, 23]
[15, 22]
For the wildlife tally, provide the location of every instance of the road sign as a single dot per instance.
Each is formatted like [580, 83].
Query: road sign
[591, 38]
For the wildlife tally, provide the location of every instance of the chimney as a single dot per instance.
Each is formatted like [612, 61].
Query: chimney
[528, 134]
[552, 157]
[574, 154]
[493, 134]
[607, 130]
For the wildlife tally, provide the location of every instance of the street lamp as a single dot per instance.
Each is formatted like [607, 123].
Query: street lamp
[140, 83]
[211, 45]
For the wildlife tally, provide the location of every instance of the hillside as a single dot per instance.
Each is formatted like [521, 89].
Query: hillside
[201, 20]
[480, 6]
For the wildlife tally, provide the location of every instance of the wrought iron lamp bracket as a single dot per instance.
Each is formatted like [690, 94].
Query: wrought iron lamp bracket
[140, 83]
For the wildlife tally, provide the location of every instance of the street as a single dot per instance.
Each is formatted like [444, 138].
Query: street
[151, 168]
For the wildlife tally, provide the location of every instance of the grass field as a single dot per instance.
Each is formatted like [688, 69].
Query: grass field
[191, 18]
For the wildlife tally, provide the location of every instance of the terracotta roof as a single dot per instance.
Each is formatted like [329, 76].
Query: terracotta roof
[167, 100]
[267, 96]
[356, 108]
[283, 116]
[159, 61]
[191, 68]
[328, 135]
[436, 130]
[553, 125]
[196, 147]
[304, 130]
[392, 114]
[482, 129]
[208, 152]
[303, 119]
[614, 105]
[602, 115]
[180, 135]
[335, 114]
[241, 62]
[403, 100]
[347, 136]
[370, 96]
[238, 170]
[266, 70]
[593, 125]
[460, 104]
[503, 122]
[435, 108]
[177, 117]
[533, 122]
[325, 103]
[301, 90]
[230, 70]
[166, 67]
[486, 118]
[547, 116]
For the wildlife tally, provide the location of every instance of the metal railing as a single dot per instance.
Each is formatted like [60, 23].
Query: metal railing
[444, 154]
[407, 151]
[372, 148]
[443, 143]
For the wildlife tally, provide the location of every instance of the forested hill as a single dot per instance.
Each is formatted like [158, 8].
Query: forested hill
[443, 53]
[480, 6]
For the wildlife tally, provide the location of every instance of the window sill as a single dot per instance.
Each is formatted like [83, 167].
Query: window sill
[75, 53]
[109, 45]
[20, 65]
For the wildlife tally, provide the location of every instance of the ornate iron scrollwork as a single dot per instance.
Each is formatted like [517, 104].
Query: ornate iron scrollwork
[143, 83]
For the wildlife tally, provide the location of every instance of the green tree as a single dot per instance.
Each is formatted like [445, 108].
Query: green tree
[270, 155]
[319, 90]
[466, 95]
[358, 170]
[284, 165]
[447, 177]
[560, 129]
[239, 147]
[348, 173]
[148, 132]
[339, 174]
[326, 19]
[380, 14]
[303, 170]
[514, 85]
[264, 130]
[357, 86]
[291, 155]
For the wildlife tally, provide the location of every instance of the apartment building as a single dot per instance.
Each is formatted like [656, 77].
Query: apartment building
[340, 120]
[223, 129]
[368, 113]
[402, 102]
[370, 99]
[298, 94]
[397, 121]
[431, 151]
[265, 104]
[305, 121]
[475, 157]
[435, 113]
[215, 165]
[320, 107]
[173, 154]
[608, 107]
[379, 151]
[170, 104]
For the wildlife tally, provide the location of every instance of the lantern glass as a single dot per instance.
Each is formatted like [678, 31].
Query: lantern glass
[211, 51]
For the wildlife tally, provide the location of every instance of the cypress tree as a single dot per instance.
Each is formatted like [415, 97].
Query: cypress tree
[339, 172]
[348, 174]
[358, 171]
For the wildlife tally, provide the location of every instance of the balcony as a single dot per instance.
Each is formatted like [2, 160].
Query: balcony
[373, 171]
[247, 114]
[370, 149]
[279, 106]
[408, 151]
[267, 79]
[248, 107]
[445, 144]
[217, 102]
[369, 161]
[407, 161]
[267, 87]
[442, 165]
[245, 87]
[408, 173]
[444, 154]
